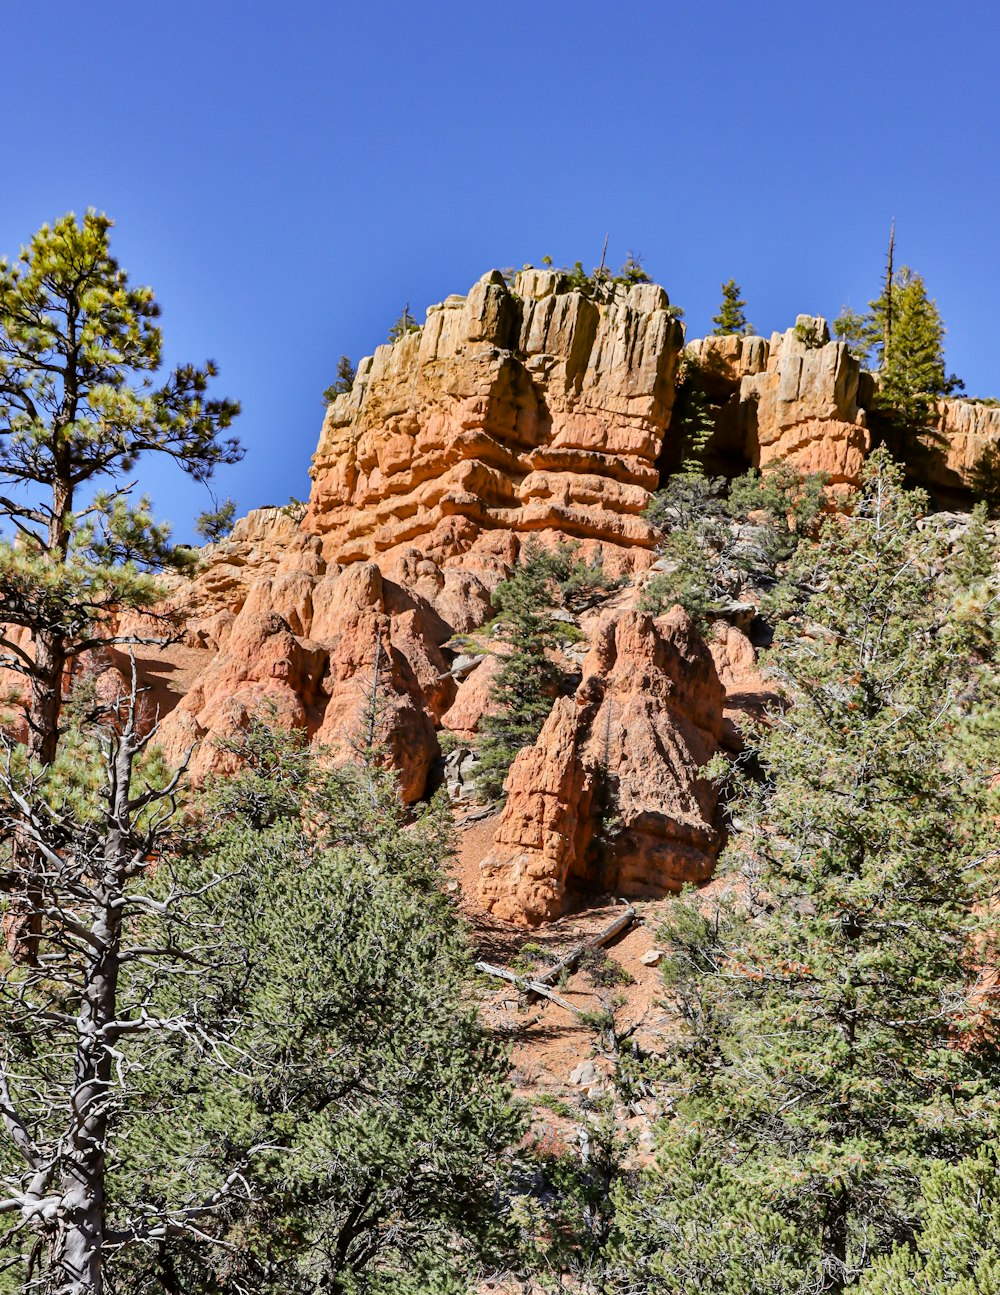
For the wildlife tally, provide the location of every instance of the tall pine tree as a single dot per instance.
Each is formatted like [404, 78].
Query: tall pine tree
[830, 1048]
[79, 407]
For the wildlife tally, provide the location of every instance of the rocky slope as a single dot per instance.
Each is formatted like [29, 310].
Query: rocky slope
[520, 410]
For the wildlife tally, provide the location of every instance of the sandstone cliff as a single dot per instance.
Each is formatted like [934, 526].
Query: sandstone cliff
[796, 397]
[521, 409]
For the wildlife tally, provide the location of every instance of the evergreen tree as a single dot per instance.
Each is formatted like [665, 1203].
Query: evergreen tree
[984, 479]
[216, 523]
[346, 373]
[731, 317]
[78, 408]
[831, 1047]
[694, 414]
[528, 678]
[254, 1067]
[363, 1068]
[110, 993]
[956, 1251]
[911, 365]
[723, 542]
[856, 330]
[522, 691]
[632, 271]
[902, 337]
[403, 325]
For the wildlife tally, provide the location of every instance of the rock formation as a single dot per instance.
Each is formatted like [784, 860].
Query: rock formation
[624, 752]
[521, 409]
[517, 410]
[795, 397]
[304, 642]
[966, 429]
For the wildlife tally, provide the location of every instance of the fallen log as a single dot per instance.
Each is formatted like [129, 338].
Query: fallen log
[569, 963]
[528, 986]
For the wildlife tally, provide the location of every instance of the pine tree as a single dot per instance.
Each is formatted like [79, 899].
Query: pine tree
[721, 543]
[357, 1058]
[253, 1066]
[404, 324]
[831, 1047]
[731, 317]
[902, 337]
[78, 409]
[215, 524]
[108, 998]
[911, 367]
[956, 1251]
[522, 691]
[346, 373]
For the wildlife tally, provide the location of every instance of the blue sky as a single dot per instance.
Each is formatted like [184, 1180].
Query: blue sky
[286, 177]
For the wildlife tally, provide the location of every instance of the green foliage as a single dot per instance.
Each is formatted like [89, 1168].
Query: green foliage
[856, 330]
[955, 1251]
[600, 283]
[632, 271]
[732, 316]
[568, 1216]
[528, 678]
[579, 583]
[79, 407]
[808, 334]
[379, 1102]
[603, 971]
[722, 543]
[830, 1046]
[971, 578]
[403, 325]
[346, 373]
[694, 413]
[984, 479]
[912, 373]
[694, 1228]
[216, 523]
[911, 368]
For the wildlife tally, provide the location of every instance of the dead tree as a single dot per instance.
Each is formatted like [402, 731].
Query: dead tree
[77, 1020]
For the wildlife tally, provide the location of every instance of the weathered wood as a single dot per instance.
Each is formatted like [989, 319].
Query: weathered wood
[621, 923]
[528, 986]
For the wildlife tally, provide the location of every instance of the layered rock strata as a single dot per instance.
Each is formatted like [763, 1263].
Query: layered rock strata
[517, 409]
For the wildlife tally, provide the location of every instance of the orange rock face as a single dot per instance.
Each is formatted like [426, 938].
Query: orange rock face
[521, 410]
[748, 693]
[804, 407]
[301, 642]
[966, 430]
[625, 750]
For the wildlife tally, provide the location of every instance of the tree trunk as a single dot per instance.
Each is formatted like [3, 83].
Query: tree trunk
[45, 708]
[80, 1247]
[834, 1245]
[78, 1265]
[22, 924]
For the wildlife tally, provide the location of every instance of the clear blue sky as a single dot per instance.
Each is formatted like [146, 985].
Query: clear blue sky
[287, 176]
